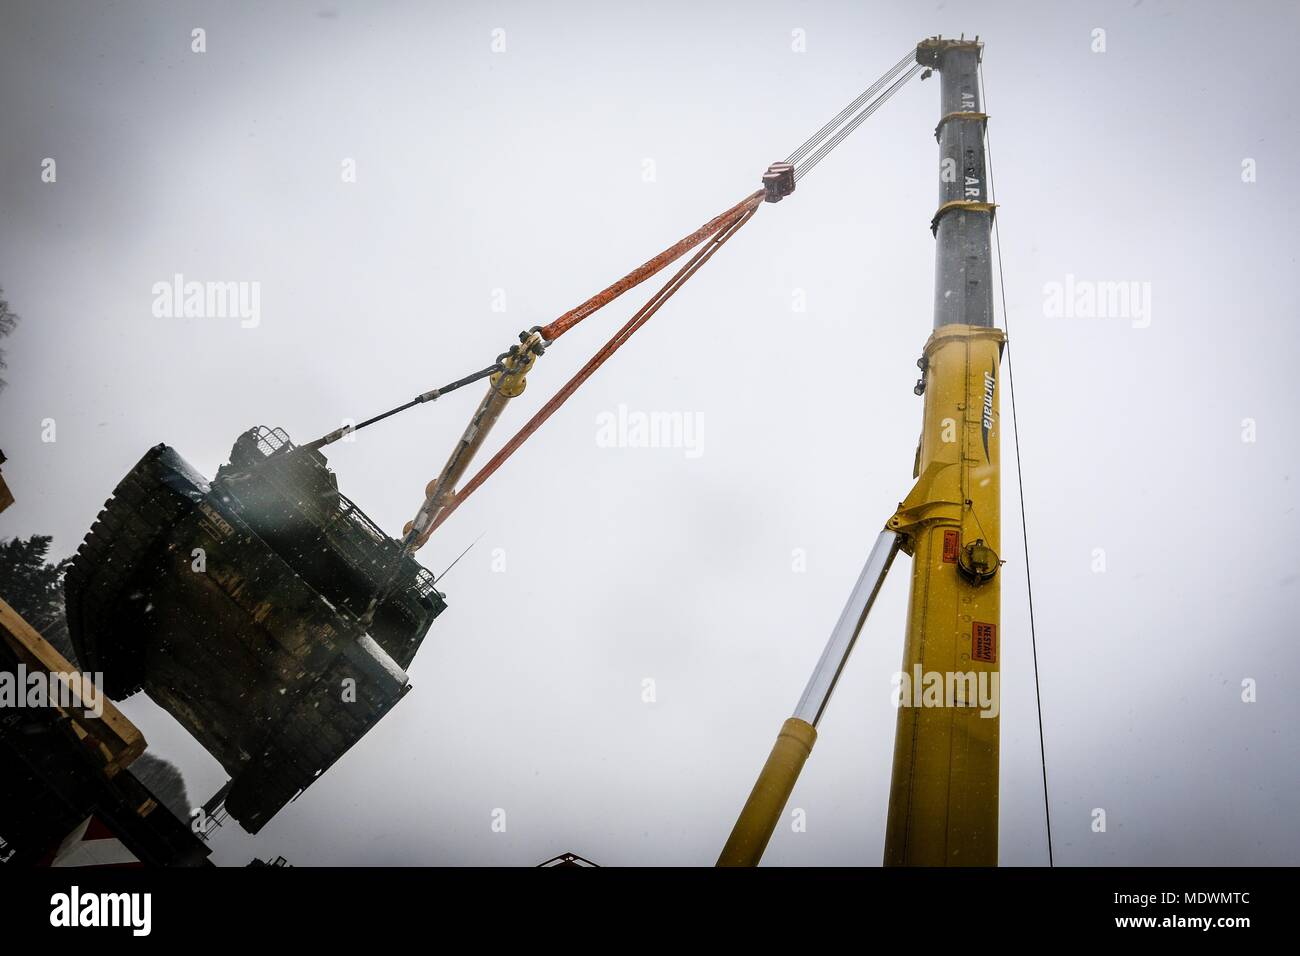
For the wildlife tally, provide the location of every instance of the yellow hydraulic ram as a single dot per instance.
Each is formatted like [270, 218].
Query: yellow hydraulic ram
[763, 808]
[943, 801]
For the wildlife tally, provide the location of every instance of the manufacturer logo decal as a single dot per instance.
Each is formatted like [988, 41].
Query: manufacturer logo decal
[986, 424]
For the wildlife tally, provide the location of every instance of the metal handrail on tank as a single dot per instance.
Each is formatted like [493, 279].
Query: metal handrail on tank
[273, 441]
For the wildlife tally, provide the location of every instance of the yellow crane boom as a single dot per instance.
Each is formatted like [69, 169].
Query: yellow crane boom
[943, 800]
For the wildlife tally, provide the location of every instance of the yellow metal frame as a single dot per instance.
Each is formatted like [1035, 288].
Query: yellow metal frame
[110, 738]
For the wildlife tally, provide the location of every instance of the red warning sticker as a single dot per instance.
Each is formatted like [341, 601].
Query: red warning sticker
[950, 544]
[984, 642]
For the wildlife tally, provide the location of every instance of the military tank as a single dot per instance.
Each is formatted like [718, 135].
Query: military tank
[238, 607]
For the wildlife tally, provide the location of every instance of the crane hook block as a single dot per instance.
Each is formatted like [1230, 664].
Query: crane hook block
[778, 182]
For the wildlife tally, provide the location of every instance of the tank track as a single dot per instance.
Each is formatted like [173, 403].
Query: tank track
[137, 517]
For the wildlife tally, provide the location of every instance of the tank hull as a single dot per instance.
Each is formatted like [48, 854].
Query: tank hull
[234, 606]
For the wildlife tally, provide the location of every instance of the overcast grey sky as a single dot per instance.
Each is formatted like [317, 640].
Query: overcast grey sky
[524, 171]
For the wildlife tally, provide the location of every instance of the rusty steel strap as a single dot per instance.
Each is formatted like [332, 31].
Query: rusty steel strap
[647, 269]
[742, 213]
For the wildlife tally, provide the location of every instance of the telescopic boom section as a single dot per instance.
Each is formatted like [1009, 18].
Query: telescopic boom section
[963, 281]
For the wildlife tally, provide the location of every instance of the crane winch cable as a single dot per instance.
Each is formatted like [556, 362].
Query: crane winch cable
[824, 150]
[816, 138]
[1020, 488]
